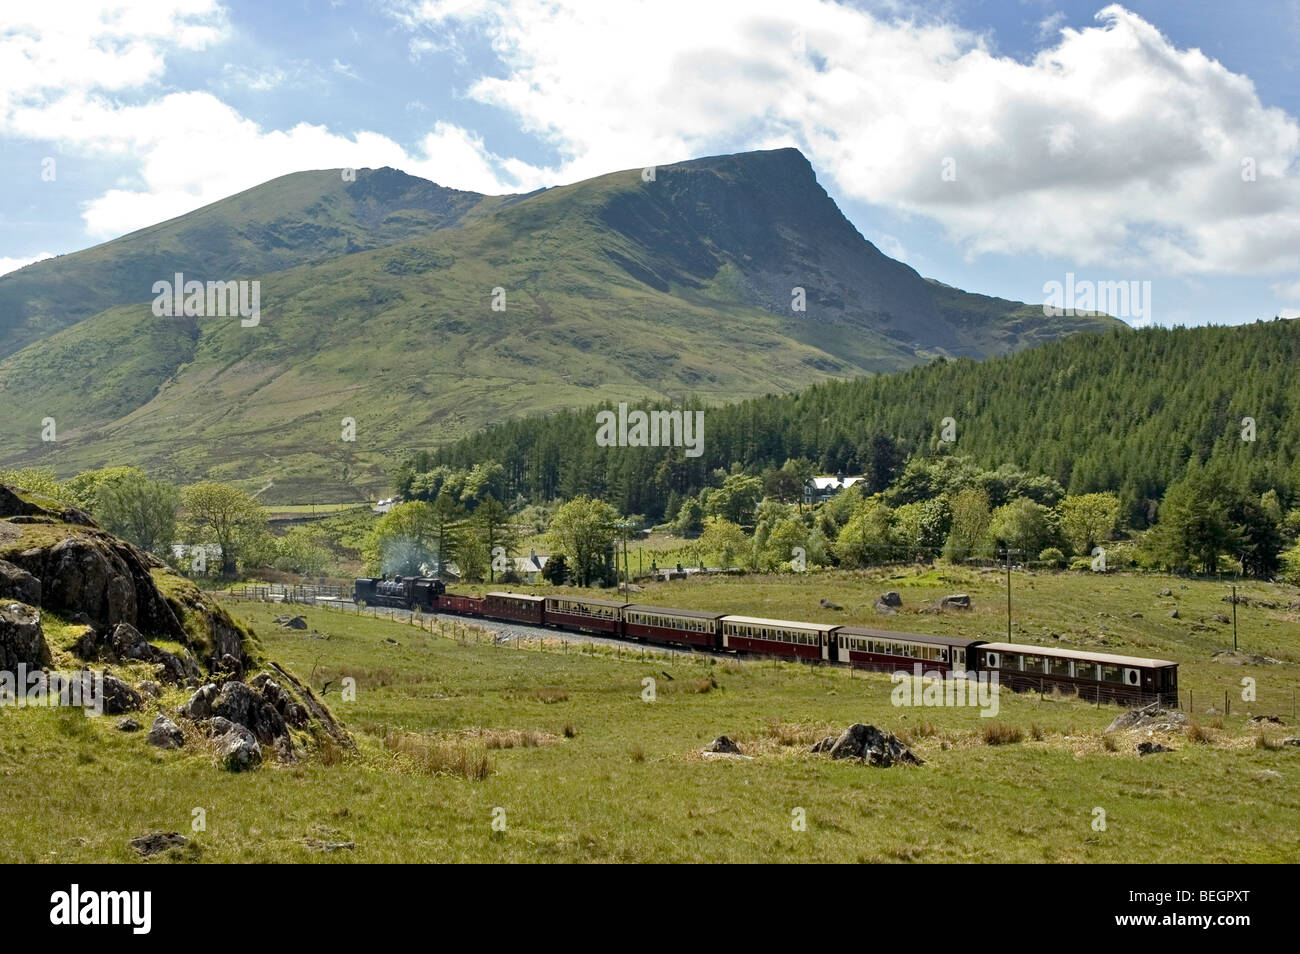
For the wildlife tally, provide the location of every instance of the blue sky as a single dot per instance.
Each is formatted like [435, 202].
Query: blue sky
[994, 146]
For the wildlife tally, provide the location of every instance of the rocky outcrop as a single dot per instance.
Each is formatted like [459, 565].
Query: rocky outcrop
[22, 641]
[268, 708]
[237, 748]
[1154, 716]
[166, 734]
[108, 580]
[16, 504]
[872, 746]
[119, 698]
[19, 585]
[56, 556]
[957, 601]
[722, 744]
[1151, 748]
[244, 705]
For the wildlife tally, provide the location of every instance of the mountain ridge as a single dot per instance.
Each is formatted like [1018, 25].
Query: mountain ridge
[613, 287]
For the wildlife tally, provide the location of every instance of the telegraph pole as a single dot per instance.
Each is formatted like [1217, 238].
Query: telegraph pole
[1008, 553]
[1234, 617]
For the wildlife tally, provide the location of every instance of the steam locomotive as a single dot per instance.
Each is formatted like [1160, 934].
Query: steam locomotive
[1093, 676]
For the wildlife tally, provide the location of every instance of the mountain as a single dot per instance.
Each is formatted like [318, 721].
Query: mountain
[302, 218]
[1126, 410]
[377, 305]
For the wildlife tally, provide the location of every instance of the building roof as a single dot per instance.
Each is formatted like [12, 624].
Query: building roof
[908, 637]
[667, 611]
[1141, 662]
[781, 623]
[827, 482]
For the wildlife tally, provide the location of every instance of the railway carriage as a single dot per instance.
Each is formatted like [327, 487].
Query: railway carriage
[777, 637]
[468, 605]
[659, 624]
[586, 615]
[887, 651]
[1102, 676]
[519, 607]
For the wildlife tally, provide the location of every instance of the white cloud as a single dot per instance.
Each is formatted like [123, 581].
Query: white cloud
[103, 44]
[13, 264]
[1110, 146]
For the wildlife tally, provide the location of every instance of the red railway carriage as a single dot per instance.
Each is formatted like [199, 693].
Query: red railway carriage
[522, 607]
[469, 605]
[659, 624]
[777, 637]
[1102, 676]
[592, 616]
[888, 651]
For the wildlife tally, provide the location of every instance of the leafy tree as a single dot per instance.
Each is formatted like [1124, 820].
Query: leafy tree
[583, 530]
[790, 532]
[301, 550]
[1088, 520]
[968, 535]
[138, 508]
[736, 500]
[781, 484]
[225, 515]
[866, 538]
[690, 518]
[556, 570]
[723, 540]
[41, 481]
[920, 529]
[491, 525]
[1022, 525]
[446, 516]
[1195, 527]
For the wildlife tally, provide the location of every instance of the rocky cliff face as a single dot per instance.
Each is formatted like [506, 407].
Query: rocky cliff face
[112, 603]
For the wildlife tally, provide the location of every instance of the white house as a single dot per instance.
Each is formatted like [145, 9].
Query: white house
[823, 488]
[529, 568]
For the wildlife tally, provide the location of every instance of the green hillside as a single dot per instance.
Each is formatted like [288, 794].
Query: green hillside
[295, 219]
[615, 288]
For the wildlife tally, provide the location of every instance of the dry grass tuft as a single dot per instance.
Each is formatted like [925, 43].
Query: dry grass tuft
[1199, 733]
[999, 733]
[550, 694]
[433, 755]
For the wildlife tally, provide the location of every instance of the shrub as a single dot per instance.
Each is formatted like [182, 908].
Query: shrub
[1053, 557]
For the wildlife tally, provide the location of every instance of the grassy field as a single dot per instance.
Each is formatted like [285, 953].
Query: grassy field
[561, 749]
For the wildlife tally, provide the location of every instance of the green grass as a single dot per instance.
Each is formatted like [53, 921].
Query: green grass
[452, 729]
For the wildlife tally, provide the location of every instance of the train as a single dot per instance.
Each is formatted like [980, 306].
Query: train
[1101, 677]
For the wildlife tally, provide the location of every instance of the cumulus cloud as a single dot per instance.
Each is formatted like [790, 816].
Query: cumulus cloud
[1110, 146]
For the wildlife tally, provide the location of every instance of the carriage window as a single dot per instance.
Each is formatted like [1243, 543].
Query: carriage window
[1058, 666]
[1111, 673]
[1032, 664]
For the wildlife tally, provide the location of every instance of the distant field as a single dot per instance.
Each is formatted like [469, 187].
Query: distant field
[594, 773]
[274, 511]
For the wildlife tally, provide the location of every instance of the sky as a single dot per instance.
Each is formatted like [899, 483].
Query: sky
[995, 146]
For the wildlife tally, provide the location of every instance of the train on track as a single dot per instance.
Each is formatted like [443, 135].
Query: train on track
[1093, 676]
